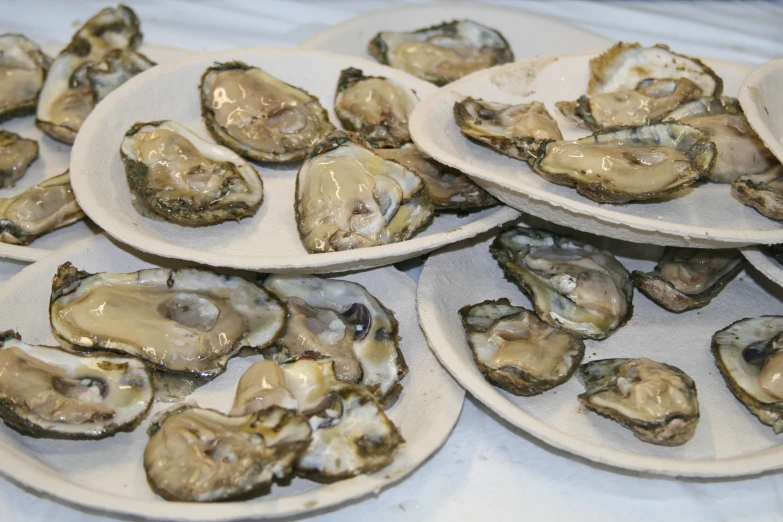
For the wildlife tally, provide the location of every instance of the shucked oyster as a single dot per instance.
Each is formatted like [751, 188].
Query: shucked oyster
[443, 53]
[739, 149]
[517, 351]
[23, 69]
[688, 278]
[450, 188]
[16, 154]
[342, 321]
[188, 320]
[748, 355]
[764, 192]
[374, 107]
[513, 130]
[254, 114]
[38, 210]
[628, 163]
[624, 65]
[115, 68]
[656, 401]
[573, 286]
[349, 197]
[201, 455]
[68, 96]
[185, 179]
[48, 392]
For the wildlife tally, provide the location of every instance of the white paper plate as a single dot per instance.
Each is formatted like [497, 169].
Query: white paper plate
[269, 240]
[729, 441]
[53, 159]
[761, 97]
[764, 263]
[529, 35]
[108, 476]
[705, 216]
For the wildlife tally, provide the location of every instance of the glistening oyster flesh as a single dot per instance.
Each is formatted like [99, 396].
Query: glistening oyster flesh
[23, 68]
[764, 192]
[114, 69]
[16, 154]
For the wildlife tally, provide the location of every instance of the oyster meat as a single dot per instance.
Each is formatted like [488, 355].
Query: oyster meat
[513, 130]
[341, 320]
[200, 455]
[374, 107]
[628, 163]
[516, 350]
[38, 210]
[689, 278]
[185, 179]
[115, 68]
[764, 192]
[254, 114]
[624, 65]
[347, 197]
[450, 188]
[574, 286]
[48, 392]
[740, 151]
[16, 154]
[68, 96]
[187, 320]
[23, 68]
[749, 357]
[442, 53]
[656, 401]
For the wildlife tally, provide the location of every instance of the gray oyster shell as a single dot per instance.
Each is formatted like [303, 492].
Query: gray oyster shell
[16, 154]
[763, 192]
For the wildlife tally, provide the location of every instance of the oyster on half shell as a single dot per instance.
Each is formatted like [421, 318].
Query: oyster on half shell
[764, 192]
[23, 68]
[115, 68]
[16, 154]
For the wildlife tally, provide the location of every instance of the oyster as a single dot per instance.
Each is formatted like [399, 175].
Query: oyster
[656, 401]
[48, 392]
[574, 286]
[443, 53]
[343, 321]
[16, 154]
[261, 386]
[649, 103]
[254, 114]
[748, 355]
[624, 65]
[764, 192]
[689, 278]
[450, 189]
[513, 130]
[187, 320]
[628, 163]
[38, 210]
[68, 97]
[23, 69]
[349, 197]
[115, 68]
[200, 455]
[185, 179]
[375, 107]
[517, 351]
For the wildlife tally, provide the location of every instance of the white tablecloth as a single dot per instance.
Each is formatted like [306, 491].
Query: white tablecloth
[486, 470]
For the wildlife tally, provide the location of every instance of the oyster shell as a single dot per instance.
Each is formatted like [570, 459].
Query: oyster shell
[514, 130]
[343, 321]
[643, 162]
[23, 68]
[200, 455]
[16, 154]
[656, 401]
[115, 68]
[278, 123]
[187, 320]
[185, 179]
[68, 97]
[517, 351]
[574, 286]
[48, 392]
[648, 103]
[748, 355]
[374, 107]
[442, 53]
[764, 192]
[689, 278]
[450, 189]
[624, 65]
[39, 210]
[349, 197]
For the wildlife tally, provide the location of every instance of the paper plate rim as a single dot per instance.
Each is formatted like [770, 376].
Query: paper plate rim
[751, 108]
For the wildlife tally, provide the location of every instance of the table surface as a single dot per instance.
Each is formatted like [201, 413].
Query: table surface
[487, 469]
